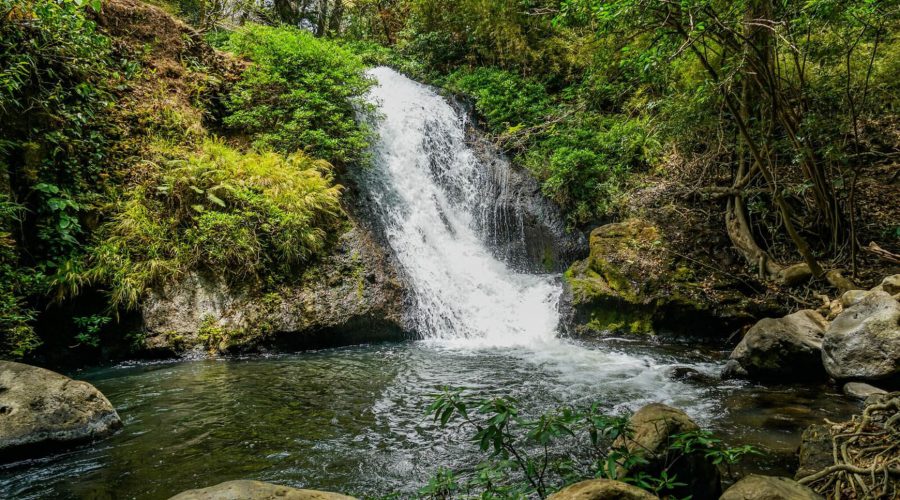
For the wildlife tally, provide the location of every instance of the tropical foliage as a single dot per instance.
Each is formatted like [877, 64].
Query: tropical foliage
[300, 94]
[533, 457]
[246, 216]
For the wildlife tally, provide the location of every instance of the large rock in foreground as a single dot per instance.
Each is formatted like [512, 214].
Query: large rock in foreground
[654, 427]
[256, 490]
[601, 489]
[863, 341]
[633, 281]
[783, 349]
[354, 295]
[41, 410]
[755, 487]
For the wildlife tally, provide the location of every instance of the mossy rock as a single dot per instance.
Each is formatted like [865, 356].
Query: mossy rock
[632, 282]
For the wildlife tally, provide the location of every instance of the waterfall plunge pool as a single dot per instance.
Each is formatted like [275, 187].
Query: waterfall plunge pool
[352, 419]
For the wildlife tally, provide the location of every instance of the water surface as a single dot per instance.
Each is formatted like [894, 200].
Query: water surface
[351, 419]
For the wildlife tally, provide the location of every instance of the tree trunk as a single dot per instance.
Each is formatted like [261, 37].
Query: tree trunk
[337, 13]
[322, 19]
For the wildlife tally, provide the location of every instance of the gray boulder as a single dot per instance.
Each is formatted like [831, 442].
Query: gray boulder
[782, 349]
[653, 429]
[41, 410]
[863, 342]
[754, 487]
[860, 390]
[890, 284]
[256, 490]
[354, 295]
[601, 489]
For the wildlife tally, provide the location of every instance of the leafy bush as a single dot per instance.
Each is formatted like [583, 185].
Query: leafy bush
[505, 100]
[18, 337]
[246, 216]
[53, 65]
[535, 457]
[299, 95]
[585, 160]
[54, 72]
[373, 54]
[582, 158]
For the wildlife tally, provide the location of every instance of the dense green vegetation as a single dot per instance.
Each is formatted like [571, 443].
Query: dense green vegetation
[113, 183]
[778, 112]
[55, 70]
[244, 216]
[299, 94]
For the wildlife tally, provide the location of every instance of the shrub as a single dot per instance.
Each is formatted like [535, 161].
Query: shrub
[300, 94]
[18, 337]
[533, 457]
[250, 217]
[505, 100]
[53, 70]
[585, 160]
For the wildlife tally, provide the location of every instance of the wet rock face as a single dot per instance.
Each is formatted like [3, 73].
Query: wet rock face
[256, 490]
[41, 410]
[754, 487]
[783, 349]
[601, 489]
[632, 282]
[521, 226]
[863, 341]
[654, 427]
[354, 295]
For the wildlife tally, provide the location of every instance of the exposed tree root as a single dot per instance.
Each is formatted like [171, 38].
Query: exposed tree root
[866, 453]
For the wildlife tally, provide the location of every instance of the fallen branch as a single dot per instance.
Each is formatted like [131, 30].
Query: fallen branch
[884, 254]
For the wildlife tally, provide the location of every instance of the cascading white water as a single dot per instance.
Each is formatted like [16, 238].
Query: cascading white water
[427, 187]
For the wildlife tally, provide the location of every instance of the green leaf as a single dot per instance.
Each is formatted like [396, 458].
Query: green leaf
[215, 199]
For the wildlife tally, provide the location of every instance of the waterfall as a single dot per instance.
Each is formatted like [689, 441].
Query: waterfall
[431, 195]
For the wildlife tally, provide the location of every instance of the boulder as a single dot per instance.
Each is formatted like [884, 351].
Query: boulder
[733, 369]
[852, 297]
[653, 429]
[41, 410]
[815, 451]
[783, 349]
[890, 284]
[754, 487]
[354, 295]
[688, 374]
[633, 281]
[862, 391]
[256, 490]
[602, 489]
[863, 342]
